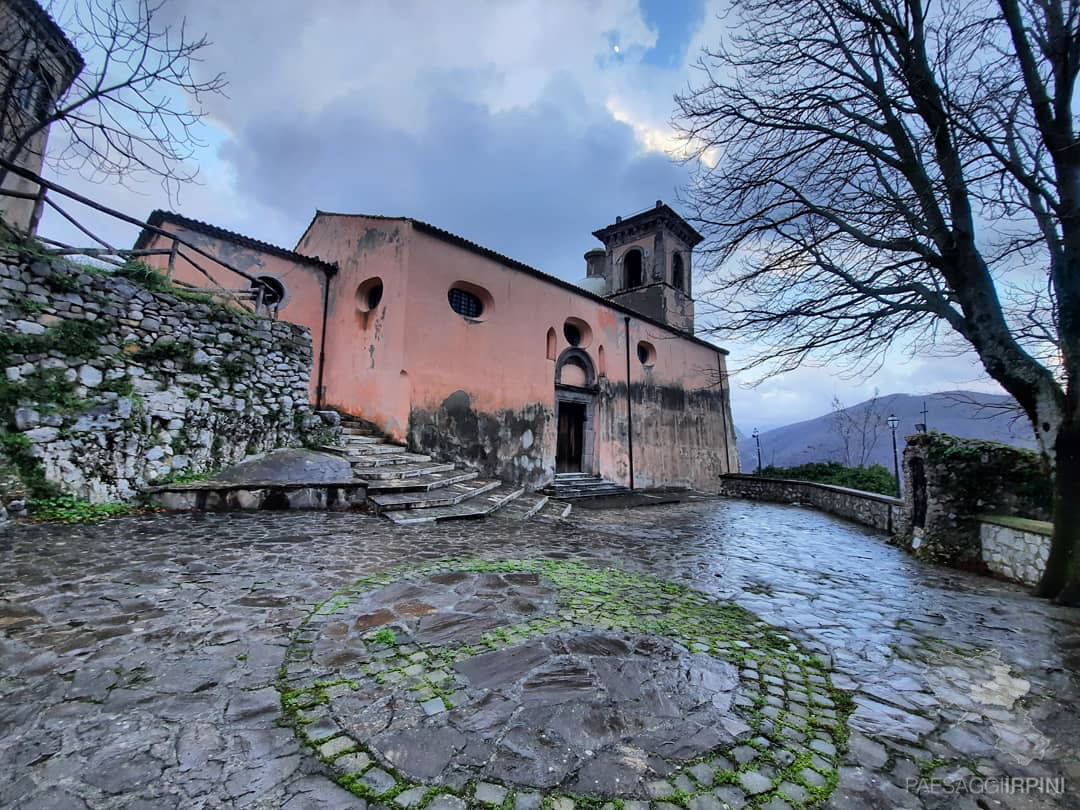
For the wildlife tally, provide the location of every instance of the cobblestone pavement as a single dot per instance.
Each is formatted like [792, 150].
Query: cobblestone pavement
[176, 661]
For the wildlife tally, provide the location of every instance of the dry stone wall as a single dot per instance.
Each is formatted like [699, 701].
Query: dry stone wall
[949, 481]
[109, 385]
[1015, 549]
[868, 508]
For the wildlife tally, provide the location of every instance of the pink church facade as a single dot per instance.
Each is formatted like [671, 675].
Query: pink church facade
[472, 356]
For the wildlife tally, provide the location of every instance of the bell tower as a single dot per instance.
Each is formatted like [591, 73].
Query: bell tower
[645, 265]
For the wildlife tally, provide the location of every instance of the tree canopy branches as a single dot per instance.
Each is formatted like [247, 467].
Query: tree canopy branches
[135, 109]
[875, 171]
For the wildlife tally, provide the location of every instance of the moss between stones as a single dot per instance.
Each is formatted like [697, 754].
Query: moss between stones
[607, 599]
[18, 450]
[1042, 527]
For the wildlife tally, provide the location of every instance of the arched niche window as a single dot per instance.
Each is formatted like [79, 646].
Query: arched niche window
[34, 91]
[632, 267]
[552, 348]
[601, 362]
[677, 274]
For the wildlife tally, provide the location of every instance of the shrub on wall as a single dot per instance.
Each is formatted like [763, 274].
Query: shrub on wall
[953, 480]
[874, 478]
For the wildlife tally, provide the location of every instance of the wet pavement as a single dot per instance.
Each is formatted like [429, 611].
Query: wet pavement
[165, 661]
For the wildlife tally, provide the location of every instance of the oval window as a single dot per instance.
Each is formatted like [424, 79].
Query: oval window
[646, 353]
[369, 294]
[268, 292]
[464, 303]
[577, 333]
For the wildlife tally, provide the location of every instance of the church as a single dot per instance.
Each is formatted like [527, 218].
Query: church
[472, 356]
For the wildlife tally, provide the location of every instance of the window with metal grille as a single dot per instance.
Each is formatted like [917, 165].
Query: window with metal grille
[465, 303]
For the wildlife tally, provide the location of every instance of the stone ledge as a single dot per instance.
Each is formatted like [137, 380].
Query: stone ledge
[1043, 527]
[208, 485]
[880, 512]
[859, 493]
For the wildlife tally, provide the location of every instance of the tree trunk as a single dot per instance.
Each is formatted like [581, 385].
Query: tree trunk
[1061, 581]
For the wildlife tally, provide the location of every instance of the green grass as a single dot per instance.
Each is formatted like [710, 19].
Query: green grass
[385, 636]
[69, 509]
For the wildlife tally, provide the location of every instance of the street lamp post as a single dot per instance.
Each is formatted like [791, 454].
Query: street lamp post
[757, 440]
[894, 422]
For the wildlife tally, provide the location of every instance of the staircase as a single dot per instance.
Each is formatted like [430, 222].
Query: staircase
[412, 488]
[571, 486]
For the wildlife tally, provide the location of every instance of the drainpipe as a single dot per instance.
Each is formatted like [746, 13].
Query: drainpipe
[328, 273]
[629, 407]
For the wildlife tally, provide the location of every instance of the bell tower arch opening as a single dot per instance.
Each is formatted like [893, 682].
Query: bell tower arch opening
[645, 265]
[632, 268]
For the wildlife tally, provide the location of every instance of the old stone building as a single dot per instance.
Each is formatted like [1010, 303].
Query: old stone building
[473, 356]
[37, 65]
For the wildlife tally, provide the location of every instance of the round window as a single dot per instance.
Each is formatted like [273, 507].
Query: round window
[369, 294]
[646, 353]
[268, 292]
[464, 303]
[577, 333]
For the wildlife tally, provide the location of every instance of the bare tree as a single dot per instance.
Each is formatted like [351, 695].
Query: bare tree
[858, 429]
[132, 112]
[904, 172]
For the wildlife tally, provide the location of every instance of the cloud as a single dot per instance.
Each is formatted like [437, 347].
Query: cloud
[515, 124]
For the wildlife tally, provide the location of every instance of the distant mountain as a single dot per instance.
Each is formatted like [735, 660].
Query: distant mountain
[959, 413]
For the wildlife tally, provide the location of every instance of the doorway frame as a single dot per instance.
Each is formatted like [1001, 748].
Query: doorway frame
[581, 395]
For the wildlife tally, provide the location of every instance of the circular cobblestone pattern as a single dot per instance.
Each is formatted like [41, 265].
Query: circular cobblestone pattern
[526, 684]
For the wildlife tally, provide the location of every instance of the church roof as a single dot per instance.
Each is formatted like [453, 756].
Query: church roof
[661, 213]
[473, 247]
[159, 217]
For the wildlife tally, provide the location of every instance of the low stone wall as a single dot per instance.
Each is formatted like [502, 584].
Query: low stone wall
[877, 511]
[221, 496]
[109, 385]
[1015, 548]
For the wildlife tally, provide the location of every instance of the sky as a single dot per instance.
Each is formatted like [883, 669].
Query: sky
[523, 125]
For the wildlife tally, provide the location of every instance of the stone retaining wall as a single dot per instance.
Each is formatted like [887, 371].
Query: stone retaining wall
[1015, 549]
[110, 385]
[949, 481]
[878, 511]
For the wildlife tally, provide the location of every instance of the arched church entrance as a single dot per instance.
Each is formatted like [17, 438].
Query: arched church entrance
[575, 412]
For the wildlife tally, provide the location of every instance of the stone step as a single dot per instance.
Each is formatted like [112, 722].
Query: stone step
[554, 510]
[360, 463]
[393, 471]
[524, 506]
[591, 492]
[421, 483]
[442, 496]
[349, 439]
[478, 506]
[578, 485]
[374, 449]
